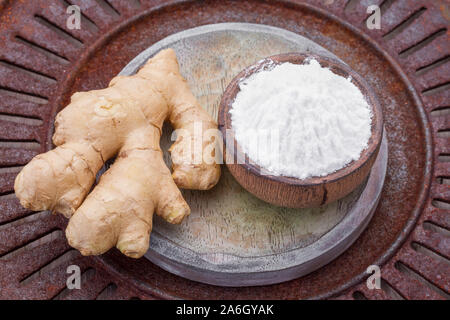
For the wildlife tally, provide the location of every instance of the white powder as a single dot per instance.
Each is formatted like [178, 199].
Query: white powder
[322, 120]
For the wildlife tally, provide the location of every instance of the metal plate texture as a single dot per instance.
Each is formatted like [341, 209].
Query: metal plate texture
[406, 61]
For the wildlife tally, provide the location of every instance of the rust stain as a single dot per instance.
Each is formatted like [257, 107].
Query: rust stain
[405, 203]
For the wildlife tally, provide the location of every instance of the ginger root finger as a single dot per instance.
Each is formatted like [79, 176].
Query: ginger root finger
[193, 166]
[58, 180]
[118, 212]
[125, 119]
[186, 115]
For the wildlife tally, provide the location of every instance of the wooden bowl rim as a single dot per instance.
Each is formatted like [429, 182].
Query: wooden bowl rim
[224, 119]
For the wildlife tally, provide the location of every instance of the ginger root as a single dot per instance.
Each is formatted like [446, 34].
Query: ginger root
[123, 120]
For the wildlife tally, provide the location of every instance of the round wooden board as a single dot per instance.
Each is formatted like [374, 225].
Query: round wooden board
[232, 238]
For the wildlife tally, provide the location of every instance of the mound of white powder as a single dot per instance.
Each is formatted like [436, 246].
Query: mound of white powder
[301, 120]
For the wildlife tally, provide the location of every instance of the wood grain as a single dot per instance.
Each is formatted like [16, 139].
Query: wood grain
[232, 238]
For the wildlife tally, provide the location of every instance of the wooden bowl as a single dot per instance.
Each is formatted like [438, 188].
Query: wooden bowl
[292, 192]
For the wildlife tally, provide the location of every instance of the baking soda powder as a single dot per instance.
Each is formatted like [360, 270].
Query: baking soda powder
[301, 120]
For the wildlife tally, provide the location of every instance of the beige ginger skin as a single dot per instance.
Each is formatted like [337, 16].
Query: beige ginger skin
[123, 120]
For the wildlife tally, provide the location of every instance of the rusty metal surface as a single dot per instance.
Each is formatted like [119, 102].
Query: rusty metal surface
[406, 62]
